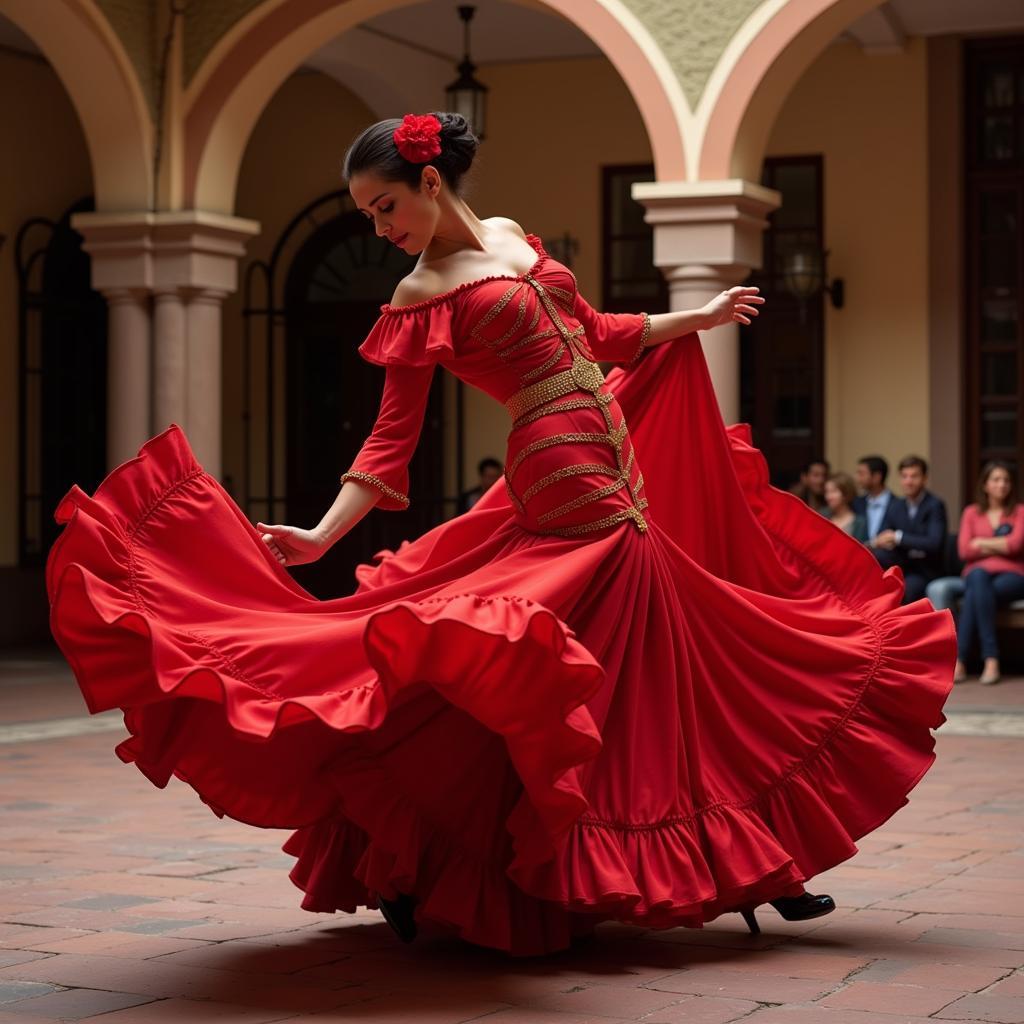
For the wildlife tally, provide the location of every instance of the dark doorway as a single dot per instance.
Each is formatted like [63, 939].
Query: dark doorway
[62, 372]
[994, 183]
[630, 282]
[782, 351]
[337, 275]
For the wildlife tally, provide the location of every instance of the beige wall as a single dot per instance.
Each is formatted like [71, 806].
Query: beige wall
[45, 168]
[867, 115]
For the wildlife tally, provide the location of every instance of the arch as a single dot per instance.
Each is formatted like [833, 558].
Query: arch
[755, 74]
[102, 85]
[241, 73]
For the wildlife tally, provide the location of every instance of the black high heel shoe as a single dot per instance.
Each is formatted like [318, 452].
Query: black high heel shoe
[399, 915]
[793, 908]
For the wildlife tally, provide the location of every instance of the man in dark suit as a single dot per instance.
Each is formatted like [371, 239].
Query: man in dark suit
[913, 532]
[870, 475]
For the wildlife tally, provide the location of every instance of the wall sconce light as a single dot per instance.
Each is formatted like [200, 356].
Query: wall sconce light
[805, 275]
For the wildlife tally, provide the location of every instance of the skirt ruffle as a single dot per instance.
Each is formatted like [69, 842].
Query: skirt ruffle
[529, 733]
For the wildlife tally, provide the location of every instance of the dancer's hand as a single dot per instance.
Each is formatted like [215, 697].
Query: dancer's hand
[291, 545]
[739, 304]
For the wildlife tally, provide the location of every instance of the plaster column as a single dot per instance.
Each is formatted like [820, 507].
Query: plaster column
[119, 246]
[128, 373]
[203, 376]
[195, 267]
[707, 237]
[164, 361]
[170, 395]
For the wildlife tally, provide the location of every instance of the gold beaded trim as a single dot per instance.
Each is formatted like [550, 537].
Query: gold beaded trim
[594, 402]
[369, 478]
[512, 497]
[575, 469]
[529, 339]
[563, 296]
[551, 441]
[514, 329]
[543, 391]
[546, 365]
[497, 307]
[645, 333]
[599, 524]
[583, 499]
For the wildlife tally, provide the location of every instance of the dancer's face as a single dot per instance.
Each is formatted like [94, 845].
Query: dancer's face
[405, 216]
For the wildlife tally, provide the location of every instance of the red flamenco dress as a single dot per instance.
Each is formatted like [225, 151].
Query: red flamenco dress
[634, 682]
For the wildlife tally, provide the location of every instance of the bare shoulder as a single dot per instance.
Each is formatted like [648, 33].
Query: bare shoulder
[507, 224]
[421, 284]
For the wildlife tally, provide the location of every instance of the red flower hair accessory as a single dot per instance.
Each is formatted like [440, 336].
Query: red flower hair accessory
[418, 137]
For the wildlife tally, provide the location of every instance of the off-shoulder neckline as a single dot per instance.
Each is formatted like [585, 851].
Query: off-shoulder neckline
[435, 300]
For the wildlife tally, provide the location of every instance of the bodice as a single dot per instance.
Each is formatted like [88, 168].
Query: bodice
[532, 343]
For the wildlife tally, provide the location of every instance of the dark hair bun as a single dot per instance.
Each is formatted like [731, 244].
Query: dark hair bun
[458, 143]
[374, 150]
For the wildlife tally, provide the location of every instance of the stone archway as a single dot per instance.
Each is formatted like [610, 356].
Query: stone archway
[234, 84]
[102, 85]
[755, 74]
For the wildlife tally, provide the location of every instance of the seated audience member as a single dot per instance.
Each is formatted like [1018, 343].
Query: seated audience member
[810, 489]
[489, 470]
[840, 492]
[913, 533]
[991, 543]
[870, 476]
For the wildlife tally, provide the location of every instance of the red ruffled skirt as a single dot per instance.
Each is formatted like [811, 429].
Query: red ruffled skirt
[530, 733]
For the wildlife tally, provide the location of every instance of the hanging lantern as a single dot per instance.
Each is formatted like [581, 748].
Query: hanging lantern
[466, 95]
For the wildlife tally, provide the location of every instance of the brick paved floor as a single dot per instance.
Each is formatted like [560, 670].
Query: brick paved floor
[124, 904]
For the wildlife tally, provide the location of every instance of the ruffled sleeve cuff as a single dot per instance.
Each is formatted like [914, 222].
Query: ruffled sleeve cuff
[415, 335]
[391, 498]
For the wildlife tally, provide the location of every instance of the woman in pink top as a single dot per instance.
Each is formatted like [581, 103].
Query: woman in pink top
[991, 542]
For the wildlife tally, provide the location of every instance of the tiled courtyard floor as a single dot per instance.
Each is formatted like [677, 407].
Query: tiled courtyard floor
[129, 905]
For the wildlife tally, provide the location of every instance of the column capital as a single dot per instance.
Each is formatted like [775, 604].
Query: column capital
[707, 223]
[193, 249]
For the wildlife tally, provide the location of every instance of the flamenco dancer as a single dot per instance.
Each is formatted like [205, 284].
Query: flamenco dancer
[634, 682]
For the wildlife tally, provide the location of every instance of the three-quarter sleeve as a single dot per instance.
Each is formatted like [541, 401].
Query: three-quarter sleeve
[383, 460]
[614, 337]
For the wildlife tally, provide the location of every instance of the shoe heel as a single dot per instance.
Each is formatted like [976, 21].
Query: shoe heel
[748, 916]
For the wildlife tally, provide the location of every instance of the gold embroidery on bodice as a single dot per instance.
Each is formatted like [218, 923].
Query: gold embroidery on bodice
[539, 397]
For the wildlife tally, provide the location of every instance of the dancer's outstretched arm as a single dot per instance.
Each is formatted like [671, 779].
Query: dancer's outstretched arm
[737, 305]
[379, 476]
[292, 545]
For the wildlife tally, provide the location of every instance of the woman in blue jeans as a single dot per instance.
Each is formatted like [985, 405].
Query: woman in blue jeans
[991, 544]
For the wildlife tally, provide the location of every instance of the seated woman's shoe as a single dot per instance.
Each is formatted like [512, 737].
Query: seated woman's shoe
[990, 676]
[399, 915]
[960, 673]
[793, 908]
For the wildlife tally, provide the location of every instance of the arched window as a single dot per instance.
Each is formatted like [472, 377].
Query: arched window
[62, 376]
